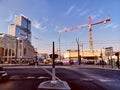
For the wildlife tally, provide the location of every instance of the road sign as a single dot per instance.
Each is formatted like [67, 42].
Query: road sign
[109, 51]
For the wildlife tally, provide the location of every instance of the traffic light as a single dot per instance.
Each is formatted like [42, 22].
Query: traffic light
[55, 56]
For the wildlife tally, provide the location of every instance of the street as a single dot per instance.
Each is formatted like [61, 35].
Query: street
[78, 77]
[23, 78]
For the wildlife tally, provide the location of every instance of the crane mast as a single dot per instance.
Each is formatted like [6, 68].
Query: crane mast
[90, 34]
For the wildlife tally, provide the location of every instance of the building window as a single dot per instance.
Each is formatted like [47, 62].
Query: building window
[9, 52]
[20, 41]
[24, 51]
[13, 53]
[6, 51]
[1, 51]
[20, 53]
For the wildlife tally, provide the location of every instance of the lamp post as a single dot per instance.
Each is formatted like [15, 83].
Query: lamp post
[102, 61]
[79, 56]
[82, 51]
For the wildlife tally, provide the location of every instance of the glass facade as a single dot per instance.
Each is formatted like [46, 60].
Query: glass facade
[25, 23]
[23, 27]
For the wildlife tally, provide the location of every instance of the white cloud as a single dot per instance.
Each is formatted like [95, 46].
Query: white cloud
[83, 12]
[36, 38]
[112, 25]
[39, 26]
[95, 16]
[77, 11]
[56, 28]
[36, 25]
[45, 20]
[69, 10]
[10, 17]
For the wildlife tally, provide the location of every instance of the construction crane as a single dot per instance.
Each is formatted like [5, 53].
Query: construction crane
[89, 25]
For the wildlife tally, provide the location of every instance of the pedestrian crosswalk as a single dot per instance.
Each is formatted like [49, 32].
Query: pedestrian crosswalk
[18, 77]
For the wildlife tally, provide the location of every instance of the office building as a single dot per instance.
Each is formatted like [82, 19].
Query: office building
[21, 28]
[7, 48]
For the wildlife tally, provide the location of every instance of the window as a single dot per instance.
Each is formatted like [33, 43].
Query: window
[24, 51]
[13, 53]
[20, 41]
[6, 51]
[9, 52]
[1, 51]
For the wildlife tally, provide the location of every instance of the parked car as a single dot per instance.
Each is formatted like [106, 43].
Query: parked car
[47, 61]
[32, 62]
[90, 62]
[100, 62]
[58, 62]
[3, 73]
[71, 62]
[65, 62]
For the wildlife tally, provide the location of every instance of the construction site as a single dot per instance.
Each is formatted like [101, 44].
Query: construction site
[90, 54]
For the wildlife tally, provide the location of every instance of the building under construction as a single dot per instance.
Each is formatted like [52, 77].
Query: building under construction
[105, 53]
[91, 53]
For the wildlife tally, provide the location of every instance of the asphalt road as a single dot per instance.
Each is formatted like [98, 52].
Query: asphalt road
[78, 78]
[85, 78]
[23, 78]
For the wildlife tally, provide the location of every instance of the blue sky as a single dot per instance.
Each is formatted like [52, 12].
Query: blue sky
[50, 16]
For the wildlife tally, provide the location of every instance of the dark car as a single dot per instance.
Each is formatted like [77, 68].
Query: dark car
[3, 73]
[71, 62]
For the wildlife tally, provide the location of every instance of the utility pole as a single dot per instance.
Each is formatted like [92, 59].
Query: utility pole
[79, 56]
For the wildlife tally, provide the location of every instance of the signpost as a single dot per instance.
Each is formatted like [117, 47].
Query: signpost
[54, 84]
[109, 53]
[53, 66]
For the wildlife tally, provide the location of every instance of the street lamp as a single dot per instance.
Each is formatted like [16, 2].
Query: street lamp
[82, 50]
[101, 56]
[79, 56]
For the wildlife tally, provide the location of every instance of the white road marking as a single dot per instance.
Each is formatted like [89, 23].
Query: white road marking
[50, 73]
[106, 80]
[30, 77]
[86, 79]
[42, 77]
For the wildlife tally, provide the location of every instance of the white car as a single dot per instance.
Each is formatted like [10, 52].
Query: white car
[2, 73]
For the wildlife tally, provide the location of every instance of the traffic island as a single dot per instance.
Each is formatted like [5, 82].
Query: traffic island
[54, 85]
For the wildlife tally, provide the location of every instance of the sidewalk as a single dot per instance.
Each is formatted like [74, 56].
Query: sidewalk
[109, 67]
[4, 65]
